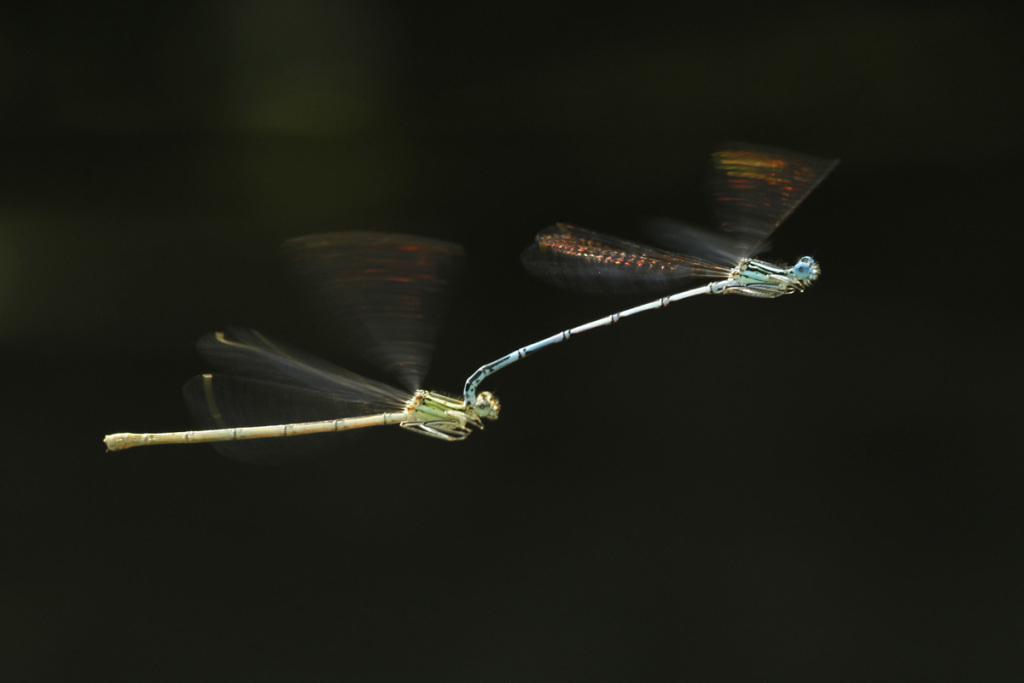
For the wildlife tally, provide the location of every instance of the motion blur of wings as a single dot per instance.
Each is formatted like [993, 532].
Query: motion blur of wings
[382, 298]
[753, 188]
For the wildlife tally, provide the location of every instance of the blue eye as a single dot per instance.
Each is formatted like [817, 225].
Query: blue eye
[804, 268]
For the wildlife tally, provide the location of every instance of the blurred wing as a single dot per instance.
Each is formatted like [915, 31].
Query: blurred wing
[252, 354]
[586, 261]
[382, 296]
[713, 246]
[222, 401]
[756, 188]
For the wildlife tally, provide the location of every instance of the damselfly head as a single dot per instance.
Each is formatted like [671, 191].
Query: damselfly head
[805, 270]
[487, 405]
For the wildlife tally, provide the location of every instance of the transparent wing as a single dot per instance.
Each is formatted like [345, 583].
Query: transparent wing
[252, 354]
[223, 401]
[713, 246]
[382, 296]
[756, 188]
[586, 261]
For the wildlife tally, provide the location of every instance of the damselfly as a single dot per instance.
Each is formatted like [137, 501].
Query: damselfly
[384, 295]
[754, 189]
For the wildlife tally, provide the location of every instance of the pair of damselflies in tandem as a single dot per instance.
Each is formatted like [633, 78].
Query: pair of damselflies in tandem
[384, 296]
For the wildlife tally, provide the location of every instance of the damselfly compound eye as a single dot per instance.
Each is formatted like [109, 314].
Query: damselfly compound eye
[805, 269]
[487, 405]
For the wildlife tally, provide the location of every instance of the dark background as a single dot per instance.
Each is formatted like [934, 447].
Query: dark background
[822, 487]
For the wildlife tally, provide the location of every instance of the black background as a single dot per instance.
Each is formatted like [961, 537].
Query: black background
[822, 487]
